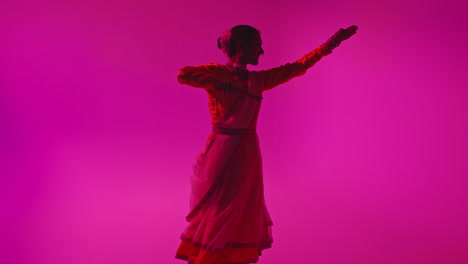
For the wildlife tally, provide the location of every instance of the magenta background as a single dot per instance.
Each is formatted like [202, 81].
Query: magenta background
[365, 157]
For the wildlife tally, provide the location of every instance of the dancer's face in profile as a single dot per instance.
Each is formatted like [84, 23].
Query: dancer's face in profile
[252, 51]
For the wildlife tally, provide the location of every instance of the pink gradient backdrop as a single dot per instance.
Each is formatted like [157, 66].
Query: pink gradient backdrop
[365, 157]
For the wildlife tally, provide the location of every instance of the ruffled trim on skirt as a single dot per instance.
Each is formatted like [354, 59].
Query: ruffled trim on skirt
[233, 253]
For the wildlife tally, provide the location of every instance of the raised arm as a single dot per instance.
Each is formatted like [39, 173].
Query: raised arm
[203, 76]
[276, 76]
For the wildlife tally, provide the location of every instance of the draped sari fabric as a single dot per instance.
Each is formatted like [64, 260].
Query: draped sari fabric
[228, 221]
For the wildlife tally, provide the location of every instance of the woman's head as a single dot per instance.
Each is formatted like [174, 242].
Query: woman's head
[243, 41]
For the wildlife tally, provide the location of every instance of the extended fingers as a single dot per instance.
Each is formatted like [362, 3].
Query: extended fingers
[347, 33]
[352, 29]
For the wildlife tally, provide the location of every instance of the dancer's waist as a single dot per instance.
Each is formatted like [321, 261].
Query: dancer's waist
[233, 131]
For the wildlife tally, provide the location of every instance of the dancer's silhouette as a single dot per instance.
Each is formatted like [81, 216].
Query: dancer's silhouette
[228, 219]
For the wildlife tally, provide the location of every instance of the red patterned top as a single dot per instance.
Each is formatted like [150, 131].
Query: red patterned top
[213, 76]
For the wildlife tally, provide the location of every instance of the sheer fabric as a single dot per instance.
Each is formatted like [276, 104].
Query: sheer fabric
[228, 220]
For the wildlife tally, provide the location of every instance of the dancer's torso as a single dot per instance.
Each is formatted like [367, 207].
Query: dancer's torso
[236, 104]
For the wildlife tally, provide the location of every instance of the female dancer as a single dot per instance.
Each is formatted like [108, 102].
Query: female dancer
[228, 220]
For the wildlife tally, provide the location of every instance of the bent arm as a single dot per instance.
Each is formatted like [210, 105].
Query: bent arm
[201, 76]
[276, 76]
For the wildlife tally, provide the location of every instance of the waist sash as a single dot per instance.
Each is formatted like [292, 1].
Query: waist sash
[233, 131]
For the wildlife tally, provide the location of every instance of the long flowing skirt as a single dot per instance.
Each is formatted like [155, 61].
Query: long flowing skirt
[228, 220]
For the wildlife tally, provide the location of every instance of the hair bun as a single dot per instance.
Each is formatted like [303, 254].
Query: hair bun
[227, 42]
[219, 43]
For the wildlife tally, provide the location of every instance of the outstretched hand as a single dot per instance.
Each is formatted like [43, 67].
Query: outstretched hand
[347, 33]
[340, 35]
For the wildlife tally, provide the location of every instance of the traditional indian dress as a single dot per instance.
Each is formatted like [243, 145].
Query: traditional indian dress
[228, 221]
